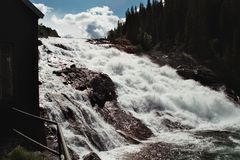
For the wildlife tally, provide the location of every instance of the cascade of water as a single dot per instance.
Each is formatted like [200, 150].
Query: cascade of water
[150, 93]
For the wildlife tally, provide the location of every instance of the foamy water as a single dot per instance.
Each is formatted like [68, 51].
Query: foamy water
[144, 89]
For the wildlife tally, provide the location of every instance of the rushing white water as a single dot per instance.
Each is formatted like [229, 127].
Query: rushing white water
[144, 89]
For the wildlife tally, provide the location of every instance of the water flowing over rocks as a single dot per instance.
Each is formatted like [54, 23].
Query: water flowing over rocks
[190, 68]
[101, 92]
[78, 126]
[113, 105]
[186, 66]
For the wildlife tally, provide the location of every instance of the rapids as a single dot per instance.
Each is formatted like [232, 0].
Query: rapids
[150, 93]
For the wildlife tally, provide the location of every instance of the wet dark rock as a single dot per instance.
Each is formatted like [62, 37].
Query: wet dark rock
[39, 83]
[95, 140]
[221, 137]
[103, 90]
[190, 68]
[100, 86]
[91, 156]
[68, 114]
[63, 104]
[174, 125]
[46, 49]
[73, 154]
[40, 42]
[201, 74]
[129, 138]
[73, 66]
[160, 114]
[121, 44]
[98, 41]
[125, 122]
[165, 151]
[63, 47]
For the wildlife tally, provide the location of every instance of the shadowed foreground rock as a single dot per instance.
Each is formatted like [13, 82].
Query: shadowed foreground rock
[101, 92]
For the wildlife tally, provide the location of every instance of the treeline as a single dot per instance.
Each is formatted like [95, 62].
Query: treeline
[45, 32]
[205, 28]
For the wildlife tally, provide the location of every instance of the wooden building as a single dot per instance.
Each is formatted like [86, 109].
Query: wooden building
[19, 65]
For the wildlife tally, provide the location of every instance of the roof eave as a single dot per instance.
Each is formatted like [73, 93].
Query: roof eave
[33, 8]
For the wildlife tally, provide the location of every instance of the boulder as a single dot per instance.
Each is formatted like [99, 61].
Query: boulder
[100, 86]
[125, 122]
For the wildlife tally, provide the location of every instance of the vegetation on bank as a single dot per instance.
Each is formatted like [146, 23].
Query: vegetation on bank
[207, 29]
[200, 26]
[19, 153]
[45, 32]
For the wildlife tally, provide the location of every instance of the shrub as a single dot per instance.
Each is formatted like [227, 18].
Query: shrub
[19, 153]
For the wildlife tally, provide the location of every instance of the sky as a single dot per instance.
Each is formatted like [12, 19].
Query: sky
[82, 18]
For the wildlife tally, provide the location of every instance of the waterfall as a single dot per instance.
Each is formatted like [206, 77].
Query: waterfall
[154, 94]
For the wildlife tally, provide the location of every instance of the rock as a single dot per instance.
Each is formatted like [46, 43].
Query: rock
[124, 122]
[73, 66]
[91, 156]
[39, 83]
[129, 138]
[165, 151]
[73, 154]
[40, 43]
[101, 87]
[204, 72]
[174, 125]
[103, 90]
[98, 41]
[46, 49]
[201, 74]
[63, 47]
[220, 137]
[120, 43]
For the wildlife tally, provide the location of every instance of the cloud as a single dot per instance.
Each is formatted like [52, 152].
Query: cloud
[43, 8]
[93, 23]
